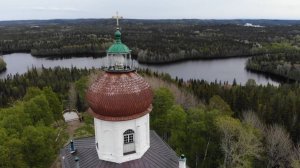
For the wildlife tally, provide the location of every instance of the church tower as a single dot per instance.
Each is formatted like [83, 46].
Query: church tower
[120, 101]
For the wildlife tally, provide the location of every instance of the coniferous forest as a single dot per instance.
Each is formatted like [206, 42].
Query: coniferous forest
[286, 65]
[31, 114]
[152, 41]
[273, 46]
[227, 125]
[234, 126]
[214, 124]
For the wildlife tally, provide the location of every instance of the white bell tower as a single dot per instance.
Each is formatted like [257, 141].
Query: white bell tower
[122, 141]
[120, 101]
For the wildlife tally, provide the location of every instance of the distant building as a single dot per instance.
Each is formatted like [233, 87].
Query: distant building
[252, 25]
[120, 101]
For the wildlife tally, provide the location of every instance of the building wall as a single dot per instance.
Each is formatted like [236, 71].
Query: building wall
[109, 136]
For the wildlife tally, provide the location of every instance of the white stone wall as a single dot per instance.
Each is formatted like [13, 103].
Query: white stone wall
[109, 136]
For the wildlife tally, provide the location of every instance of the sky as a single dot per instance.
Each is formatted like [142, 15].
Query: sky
[150, 9]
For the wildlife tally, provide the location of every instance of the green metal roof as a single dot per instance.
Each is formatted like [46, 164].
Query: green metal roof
[118, 47]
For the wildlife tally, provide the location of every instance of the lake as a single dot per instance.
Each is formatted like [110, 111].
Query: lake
[209, 70]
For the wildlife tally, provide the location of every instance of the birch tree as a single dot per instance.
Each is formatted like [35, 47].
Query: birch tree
[240, 143]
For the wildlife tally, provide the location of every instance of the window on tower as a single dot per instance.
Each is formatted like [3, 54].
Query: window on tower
[128, 136]
[129, 146]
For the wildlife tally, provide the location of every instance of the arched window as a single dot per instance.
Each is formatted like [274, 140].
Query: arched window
[129, 146]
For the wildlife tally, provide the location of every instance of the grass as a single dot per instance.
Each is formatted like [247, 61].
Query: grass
[87, 129]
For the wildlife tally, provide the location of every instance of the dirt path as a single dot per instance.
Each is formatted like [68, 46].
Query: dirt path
[72, 126]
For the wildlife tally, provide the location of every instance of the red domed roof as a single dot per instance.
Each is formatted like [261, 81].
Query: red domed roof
[119, 96]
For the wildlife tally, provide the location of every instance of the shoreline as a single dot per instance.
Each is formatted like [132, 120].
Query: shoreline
[273, 76]
[3, 70]
[99, 55]
[2, 65]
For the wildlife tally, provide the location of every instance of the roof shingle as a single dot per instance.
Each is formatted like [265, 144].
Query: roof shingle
[159, 155]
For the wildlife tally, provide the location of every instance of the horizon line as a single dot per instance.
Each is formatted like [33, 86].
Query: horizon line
[48, 19]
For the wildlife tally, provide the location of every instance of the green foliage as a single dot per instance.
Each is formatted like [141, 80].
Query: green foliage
[240, 143]
[162, 102]
[176, 123]
[88, 119]
[286, 65]
[54, 102]
[216, 102]
[2, 64]
[196, 132]
[87, 129]
[39, 110]
[15, 87]
[206, 126]
[295, 164]
[13, 156]
[272, 104]
[81, 87]
[31, 92]
[14, 119]
[202, 133]
[38, 145]
[161, 41]
[278, 47]
[182, 128]
[26, 136]
[84, 131]
[251, 82]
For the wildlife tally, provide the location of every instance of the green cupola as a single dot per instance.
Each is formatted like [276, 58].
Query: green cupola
[118, 46]
[118, 55]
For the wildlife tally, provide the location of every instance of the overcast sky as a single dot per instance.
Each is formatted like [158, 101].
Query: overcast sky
[150, 9]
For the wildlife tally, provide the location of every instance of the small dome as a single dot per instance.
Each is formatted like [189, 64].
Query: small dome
[119, 96]
[118, 47]
[117, 34]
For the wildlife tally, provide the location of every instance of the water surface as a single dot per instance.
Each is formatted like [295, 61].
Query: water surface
[209, 70]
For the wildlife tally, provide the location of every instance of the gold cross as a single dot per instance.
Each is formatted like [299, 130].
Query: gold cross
[117, 17]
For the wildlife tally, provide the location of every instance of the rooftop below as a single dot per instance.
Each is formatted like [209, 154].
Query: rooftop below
[159, 155]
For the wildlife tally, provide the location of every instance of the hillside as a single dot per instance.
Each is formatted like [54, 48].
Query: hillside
[152, 41]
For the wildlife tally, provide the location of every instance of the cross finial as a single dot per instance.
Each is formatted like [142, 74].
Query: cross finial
[117, 17]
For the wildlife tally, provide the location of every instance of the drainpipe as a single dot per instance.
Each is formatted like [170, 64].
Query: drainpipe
[182, 161]
[77, 162]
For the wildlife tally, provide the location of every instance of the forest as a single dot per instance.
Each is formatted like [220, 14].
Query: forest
[227, 125]
[31, 127]
[151, 41]
[286, 65]
[233, 125]
[27, 137]
[2, 65]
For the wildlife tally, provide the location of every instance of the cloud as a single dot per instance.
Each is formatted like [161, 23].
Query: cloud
[154, 9]
[40, 8]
